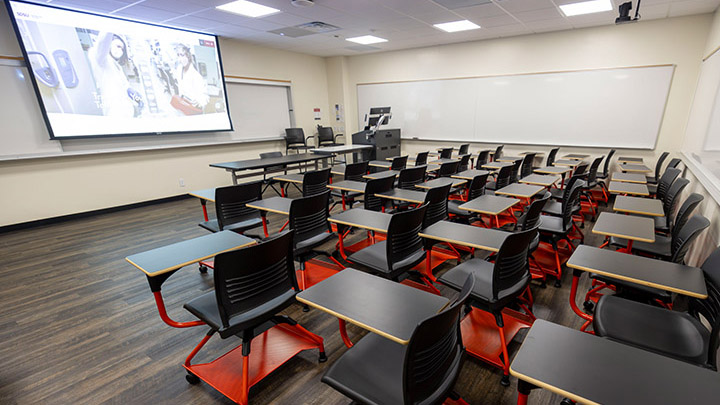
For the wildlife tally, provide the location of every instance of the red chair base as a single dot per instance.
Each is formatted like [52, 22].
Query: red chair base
[269, 351]
[481, 337]
[548, 262]
[315, 272]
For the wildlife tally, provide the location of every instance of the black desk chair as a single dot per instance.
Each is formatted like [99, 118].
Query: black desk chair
[308, 219]
[588, 202]
[528, 220]
[315, 182]
[399, 163]
[436, 200]
[674, 163]
[606, 167]
[401, 251]
[408, 178]
[377, 186]
[464, 149]
[663, 185]
[354, 172]
[483, 157]
[421, 158]
[514, 171]
[658, 168]
[670, 202]
[230, 210]
[554, 229]
[498, 152]
[692, 336]
[580, 170]
[502, 179]
[526, 168]
[474, 190]
[379, 371]
[326, 136]
[464, 162]
[551, 157]
[447, 169]
[497, 285]
[295, 140]
[269, 181]
[252, 285]
[446, 153]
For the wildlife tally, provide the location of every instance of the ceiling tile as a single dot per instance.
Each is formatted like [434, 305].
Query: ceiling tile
[518, 6]
[96, 6]
[495, 21]
[177, 6]
[483, 11]
[538, 15]
[146, 13]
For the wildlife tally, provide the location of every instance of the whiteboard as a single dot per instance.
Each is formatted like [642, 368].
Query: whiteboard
[620, 107]
[258, 111]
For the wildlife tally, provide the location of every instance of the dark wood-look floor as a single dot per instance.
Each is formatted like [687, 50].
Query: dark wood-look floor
[79, 324]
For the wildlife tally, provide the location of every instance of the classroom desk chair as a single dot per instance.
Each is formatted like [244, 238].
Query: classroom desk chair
[680, 335]
[528, 220]
[674, 163]
[464, 149]
[514, 172]
[446, 153]
[421, 158]
[474, 190]
[408, 178]
[326, 137]
[658, 168]
[663, 185]
[464, 162]
[252, 285]
[588, 203]
[230, 210]
[482, 158]
[295, 140]
[377, 370]
[497, 285]
[551, 157]
[672, 197]
[269, 181]
[502, 179]
[448, 168]
[498, 152]
[606, 170]
[354, 172]
[526, 168]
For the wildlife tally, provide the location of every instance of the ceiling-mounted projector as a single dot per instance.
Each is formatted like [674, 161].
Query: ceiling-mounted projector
[624, 10]
[302, 3]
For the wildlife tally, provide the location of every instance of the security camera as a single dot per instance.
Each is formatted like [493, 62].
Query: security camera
[624, 10]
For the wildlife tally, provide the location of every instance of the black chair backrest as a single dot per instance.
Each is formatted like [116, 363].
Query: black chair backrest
[268, 155]
[580, 169]
[592, 172]
[375, 186]
[399, 162]
[551, 156]
[315, 182]
[606, 167]
[434, 354]
[658, 165]
[411, 176]
[511, 263]
[308, 217]
[709, 308]
[572, 201]
[402, 236]
[421, 158]
[672, 197]
[674, 163]
[325, 135]
[514, 171]
[294, 136]
[503, 177]
[665, 182]
[477, 186]
[464, 149]
[230, 203]
[446, 153]
[356, 171]
[436, 200]
[448, 168]
[482, 158]
[527, 165]
[498, 152]
[531, 218]
[683, 214]
[569, 187]
[464, 162]
[248, 278]
[685, 237]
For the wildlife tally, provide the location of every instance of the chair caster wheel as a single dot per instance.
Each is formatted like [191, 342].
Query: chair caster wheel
[306, 308]
[203, 269]
[557, 284]
[589, 306]
[192, 379]
[505, 381]
[594, 219]
[567, 401]
[322, 358]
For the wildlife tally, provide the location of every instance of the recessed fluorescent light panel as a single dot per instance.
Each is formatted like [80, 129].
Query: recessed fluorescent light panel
[367, 40]
[456, 26]
[586, 7]
[248, 9]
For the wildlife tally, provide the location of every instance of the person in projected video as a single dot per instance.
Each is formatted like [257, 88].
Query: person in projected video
[108, 57]
[192, 89]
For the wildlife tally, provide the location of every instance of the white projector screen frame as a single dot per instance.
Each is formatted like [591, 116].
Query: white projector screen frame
[615, 107]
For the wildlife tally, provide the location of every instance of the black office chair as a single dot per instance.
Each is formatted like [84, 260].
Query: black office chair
[532, 219]
[674, 163]
[421, 158]
[401, 251]
[658, 168]
[692, 336]
[514, 171]
[408, 178]
[580, 170]
[326, 136]
[377, 186]
[526, 167]
[308, 219]
[295, 140]
[353, 172]
[447, 169]
[474, 190]
[663, 185]
[603, 176]
[464, 149]
[377, 370]
[269, 181]
[436, 200]
[230, 210]
[399, 163]
[252, 285]
[315, 182]
[670, 202]
[446, 153]
[497, 285]
[502, 179]
[464, 162]
[551, 157]
[587, 200]
[483, 157]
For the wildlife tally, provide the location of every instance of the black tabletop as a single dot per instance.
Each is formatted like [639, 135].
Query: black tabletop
[348, 185]
[590, 369]
[381, 175]
[332, 150]
[385, 307]
[278, 205]
[520, 190]
[567, 162]
[539, 180]
[172, 257]
[362, 218]
[630, 159]
[511, 159]
[639, 205]
[625, 226]
[466, 235]
[654, 273]
[619, 187]
[441, 181]
[576, 156]
[400, 194]
[206, 194]
[489, 204]
[553, 170]
[495, 165]
[268, 162]
[629, 178]
[634, 168]
[469, 174]
[379, 163]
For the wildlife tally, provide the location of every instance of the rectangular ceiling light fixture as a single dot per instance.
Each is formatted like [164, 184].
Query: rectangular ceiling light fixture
[248, 9]
[456, 26]
[366, 40]
[586, 7]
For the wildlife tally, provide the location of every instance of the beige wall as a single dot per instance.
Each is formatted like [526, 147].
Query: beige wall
[43, 188]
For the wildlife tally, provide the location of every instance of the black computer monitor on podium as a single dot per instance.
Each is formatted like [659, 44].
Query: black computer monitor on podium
[378, 116]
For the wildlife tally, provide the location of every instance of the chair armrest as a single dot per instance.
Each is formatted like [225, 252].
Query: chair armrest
[338, 135]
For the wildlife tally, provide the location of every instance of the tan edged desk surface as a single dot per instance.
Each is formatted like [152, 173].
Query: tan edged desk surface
[207, 194]
[379, 163]
[381, 175]
[382, 306]
[510, 159]
[520, 190]
[625, 226]
[629, 178]
[553, 170]
[296, 178]
[638, 205]
[466, 235]
[537, 154]
[400, 194]
[635, 168]
[618, 187]
[441, 181]
[338, 170]
[496, 165]
[441, 161]
[568, 163]
[489, 204]
[469, 174]
[539, 180]
[630, 160]
[278, 205]
[348, 185]
[362, 218]
[576, 156]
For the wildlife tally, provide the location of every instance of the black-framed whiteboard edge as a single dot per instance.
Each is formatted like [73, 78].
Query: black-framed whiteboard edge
[11, 15]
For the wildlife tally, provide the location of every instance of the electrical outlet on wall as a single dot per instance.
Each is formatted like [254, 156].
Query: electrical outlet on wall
[182, 182]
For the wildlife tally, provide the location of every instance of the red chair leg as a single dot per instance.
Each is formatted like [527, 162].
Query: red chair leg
[506, 362]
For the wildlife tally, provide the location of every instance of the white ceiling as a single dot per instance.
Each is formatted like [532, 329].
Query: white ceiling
[404, 23]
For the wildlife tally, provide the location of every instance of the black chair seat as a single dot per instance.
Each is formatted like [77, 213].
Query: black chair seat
[556, 193]
[652, 188]
[553, 224]
[651, 179]
[553, 208]
[676, 334]
[308, 244]
[453, 208]
[491, 185]
[205, 307]
[661, 247]
[661, 224]
[375, 257]
[212, 225]
[371, 372]
[534, 244]
[483, 272]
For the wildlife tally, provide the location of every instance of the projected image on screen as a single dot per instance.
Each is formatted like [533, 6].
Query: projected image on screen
[99, 76]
